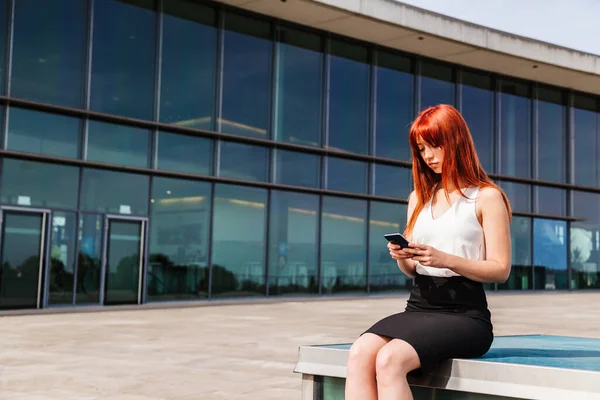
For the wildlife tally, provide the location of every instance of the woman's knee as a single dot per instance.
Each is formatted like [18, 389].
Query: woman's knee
[364, 351]
[395, 359]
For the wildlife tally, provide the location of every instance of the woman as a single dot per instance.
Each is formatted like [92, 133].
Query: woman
[458, 229]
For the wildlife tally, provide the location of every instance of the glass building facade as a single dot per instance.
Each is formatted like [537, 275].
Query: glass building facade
[185, 150]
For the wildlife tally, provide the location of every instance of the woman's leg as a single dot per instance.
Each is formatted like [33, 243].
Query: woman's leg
[360, 377]
[394, 361]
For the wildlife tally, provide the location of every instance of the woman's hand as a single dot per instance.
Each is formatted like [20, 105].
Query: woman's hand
[428, 256]
[398, 253]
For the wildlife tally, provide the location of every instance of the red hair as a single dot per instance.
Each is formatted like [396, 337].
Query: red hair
[443, 126]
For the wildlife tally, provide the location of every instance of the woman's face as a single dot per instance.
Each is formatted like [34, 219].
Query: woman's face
[433, 156]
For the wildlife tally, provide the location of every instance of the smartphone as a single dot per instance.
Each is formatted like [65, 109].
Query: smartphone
[397, 238]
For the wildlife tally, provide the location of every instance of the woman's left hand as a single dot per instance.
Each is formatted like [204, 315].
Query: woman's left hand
[428, 256]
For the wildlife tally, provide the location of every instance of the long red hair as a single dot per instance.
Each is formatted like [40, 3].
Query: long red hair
[443, 126]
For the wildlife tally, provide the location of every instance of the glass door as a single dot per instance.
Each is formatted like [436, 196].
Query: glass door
[124, 260]
[22, 257]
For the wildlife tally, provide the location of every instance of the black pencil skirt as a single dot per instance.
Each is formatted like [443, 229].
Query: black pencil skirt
[444, 318]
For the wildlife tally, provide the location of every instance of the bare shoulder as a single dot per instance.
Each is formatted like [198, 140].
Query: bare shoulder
[490, 199]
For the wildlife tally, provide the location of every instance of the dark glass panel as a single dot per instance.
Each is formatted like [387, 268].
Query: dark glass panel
[184, 153]
[123, 59]
[585, 241]
[89, 259]
[586, 143]
[384, 274]
[293, 256]
[299, 88]
[189, 60]
[299, 169]
[550, 254]
[49, 51]
[62, 257]
[515, 130]
[244, 161]
[551, 149]
[521, 277]
[343, 245]
[349, 97]
[43, 133]
[478, 111]
[4, 13]
[346, 175]
[519, 195]
[36, 184]
[394, 109]
[178, 265]
[437, 84]
[239, 236]
[114, 192]
[118, 144]
[247, 58]
[550, 201]
[392, 181]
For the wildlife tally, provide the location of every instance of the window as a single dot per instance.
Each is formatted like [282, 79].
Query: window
[43, 133]
[384, 274]
[247, 60]
[179, 229]
[114, 192]
[299, 169]
[585, 241]
[123, 59]
[343, 245]
[550, 254]
[478, 111]
[189, 60]
[299, 87]
[293, 253]
[62, 257]
[394, 108]
[515, 130]
[521, 277]
[392, 181]
[244, 161]
[519, 195]
[349, 97]
[586, 143]
[4, 13]
[550, 201]
[118, 144]
[346, 175]
[239, 235]
[437, 84]
[183, 153]
[49, 51]
[36, 184]
[551, 149]
[89, 259]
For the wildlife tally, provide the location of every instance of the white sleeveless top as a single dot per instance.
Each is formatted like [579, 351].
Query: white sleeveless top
[456, 232]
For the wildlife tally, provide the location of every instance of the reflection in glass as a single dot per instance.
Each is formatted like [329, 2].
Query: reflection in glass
[184, 153]
[299, 169]
[62, 257]
[515, 130]
[246, 76]
[178, 265]
[384, 274]
[114, 192]
[392, 181]
[293, 256]
[478, 111]
[239, 235]
[346, 175]
[36, 184]
[437, 84]
[299, 88]
[550, 254]
[123, 261]
[586, 146]
[48, 51]
[89, 259]
[123, 58]
[4, 12]
[43, 133]
[551, 149]
[394, 111]
[550, 201]
[585, 241]
[521, 277]
[188, 70]
[343, 245]
[244, 161]
[22, 237]
[519, 195]
[118, 144]
[349, 97]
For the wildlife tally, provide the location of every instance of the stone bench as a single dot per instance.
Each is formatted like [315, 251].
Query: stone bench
[516, 367]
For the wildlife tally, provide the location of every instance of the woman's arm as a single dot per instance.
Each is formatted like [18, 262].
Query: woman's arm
[496, 229]
[402, 257]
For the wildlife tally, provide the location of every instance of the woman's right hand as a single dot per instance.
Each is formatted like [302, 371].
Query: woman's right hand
[398, 253]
